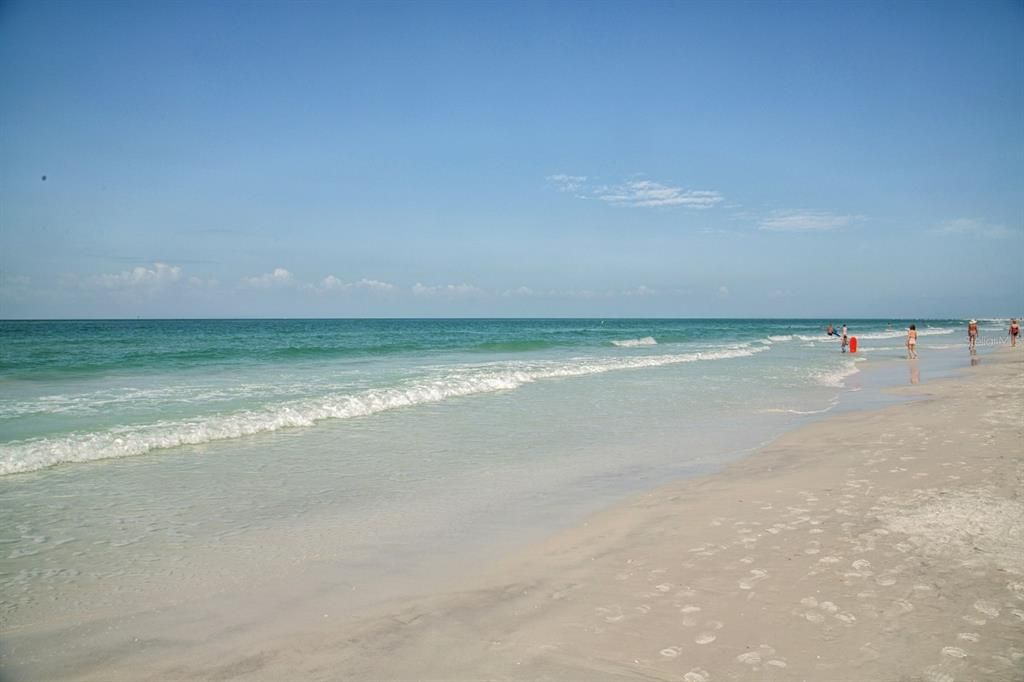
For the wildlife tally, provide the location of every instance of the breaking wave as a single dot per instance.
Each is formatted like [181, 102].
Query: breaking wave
[124, 441]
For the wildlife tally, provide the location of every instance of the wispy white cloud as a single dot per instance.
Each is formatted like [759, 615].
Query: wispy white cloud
[521, 291]
[277, 278]
[330, 283]
[636, 192]
[155, 277]
[979, 228]
[804, 221]
[200, 283]
[642, 290]
[646, 193]
[15, 286]
[567, 183]
[529, 292]
[419, 289]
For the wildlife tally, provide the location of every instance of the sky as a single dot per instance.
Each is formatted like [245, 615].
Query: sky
[523, 159]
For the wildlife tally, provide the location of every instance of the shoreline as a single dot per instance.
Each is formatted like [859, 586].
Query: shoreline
[687, 574]
[901, 556]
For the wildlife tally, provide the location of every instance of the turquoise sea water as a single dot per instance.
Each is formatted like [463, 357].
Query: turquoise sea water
[188, 457]
[80, 391]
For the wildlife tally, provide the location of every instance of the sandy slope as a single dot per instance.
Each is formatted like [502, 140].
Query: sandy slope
[894, 553]
[885, 545]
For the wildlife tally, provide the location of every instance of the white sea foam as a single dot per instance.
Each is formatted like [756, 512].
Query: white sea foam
[781, 337]
[632, 343]
[886, 334]
[38, 453]
[902, 333]
[784, 410]
[836, 377]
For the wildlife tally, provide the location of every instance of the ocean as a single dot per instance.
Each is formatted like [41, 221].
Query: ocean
[150, 464]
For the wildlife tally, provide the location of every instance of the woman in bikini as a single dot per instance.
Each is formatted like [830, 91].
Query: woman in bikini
[1014, 332]
[912, 342]
[972, 335]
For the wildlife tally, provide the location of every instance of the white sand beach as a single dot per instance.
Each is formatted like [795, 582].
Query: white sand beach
[883, 545]
[874, 546]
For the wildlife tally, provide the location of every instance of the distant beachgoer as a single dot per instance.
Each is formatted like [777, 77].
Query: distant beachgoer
[972, 335]
[1014, 332]
[846, 339]
[831, 331]
[912, 342]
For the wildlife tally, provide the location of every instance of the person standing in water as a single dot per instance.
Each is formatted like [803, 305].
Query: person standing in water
[1014, 332]
[912, 342]
[846, 339]
[972, 336]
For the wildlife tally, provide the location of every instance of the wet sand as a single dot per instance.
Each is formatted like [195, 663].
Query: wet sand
[885, 545]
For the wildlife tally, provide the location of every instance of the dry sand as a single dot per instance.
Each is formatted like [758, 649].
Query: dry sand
[882, 545]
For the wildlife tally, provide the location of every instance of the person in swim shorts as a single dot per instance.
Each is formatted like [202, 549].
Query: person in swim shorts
[972, 335]
[912, 342]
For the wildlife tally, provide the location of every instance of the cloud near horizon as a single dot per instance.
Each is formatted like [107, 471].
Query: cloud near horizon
[279, 277]
[419, 289]
[155, 277]
[332, 283]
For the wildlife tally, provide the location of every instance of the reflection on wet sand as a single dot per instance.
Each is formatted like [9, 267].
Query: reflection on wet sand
[915, 372]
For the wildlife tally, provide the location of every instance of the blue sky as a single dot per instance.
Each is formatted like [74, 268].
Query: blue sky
[511, 159]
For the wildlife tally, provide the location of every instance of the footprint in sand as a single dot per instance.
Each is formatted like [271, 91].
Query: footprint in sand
[885, 580]
[756, 575]
[671, 652]
[969, 636]
[697, 675]
[936, 674]
[903, 606]
[954, 652]
[610, 615]
[689, 609]
[987, 608]
[749, 658]
[705, 638]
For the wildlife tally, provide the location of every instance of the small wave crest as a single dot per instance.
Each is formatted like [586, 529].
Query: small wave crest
[836, 377]
[40, 453]
[633, 343]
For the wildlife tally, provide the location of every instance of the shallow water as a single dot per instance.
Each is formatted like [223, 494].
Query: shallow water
[181, 476]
